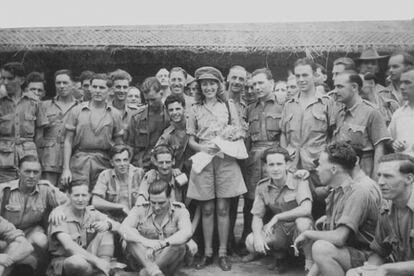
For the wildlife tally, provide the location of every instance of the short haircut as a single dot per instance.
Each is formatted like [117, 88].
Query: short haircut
[150, 83]
[265, 71]
[343, 154]
[347, 62]
[121, 75]
[305, 61]
[119, 149]
[174, 98]
[275, 150]
[406, 161]
[369, 76]
[76, 183]
[408, 59]
[159, 186]
[353, 77]
[179, 69]
[35, 77]
[15, 68]
[162, 149]
[28, 158]
[104, 77]
[86, 75]
[64, 72]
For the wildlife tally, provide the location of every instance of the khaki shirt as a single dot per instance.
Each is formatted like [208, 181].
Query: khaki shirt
[402, 125]
[31, 211]
[143, 133]
[143, 219]
[109, 186]
[87, 138]
[8, 231]
[177, 139]
[354, 205]
[80, 230]
[264, 120]
[280, 199]
[394, 235]
[51, 145]
[307, 130]
[18, 123]
[206, 123]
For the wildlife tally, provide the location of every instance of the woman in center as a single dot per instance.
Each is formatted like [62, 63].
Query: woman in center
[221, 179]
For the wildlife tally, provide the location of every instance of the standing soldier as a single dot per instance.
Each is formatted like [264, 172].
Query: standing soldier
[21, 118]
[147, 125]
[56, 110]
[263, 117]
[92, 128]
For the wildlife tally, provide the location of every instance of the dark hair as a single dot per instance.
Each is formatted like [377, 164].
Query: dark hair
[162, 149]
[64, 72]
[150, 83]
[104, 77]
[86, 75]
[179, 69]
[76, 183]
[275, 150]
[119, 149]
[159, 186]
[353, 77]
[408, 59]
[343, 154]
[34, 77]
[28, 158]
[174, 98]
[347, 62]
[15, 68]
[265, 71]
[406, 161]
[305, 61]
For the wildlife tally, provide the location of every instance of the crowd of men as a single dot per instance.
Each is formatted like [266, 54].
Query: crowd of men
[103, 179]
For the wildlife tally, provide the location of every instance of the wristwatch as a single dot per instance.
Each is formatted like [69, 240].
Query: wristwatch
[109, 225]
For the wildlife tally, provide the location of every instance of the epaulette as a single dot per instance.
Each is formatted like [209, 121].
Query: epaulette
[44, 182]
[178, 204]
[370, 104]
[263, 180]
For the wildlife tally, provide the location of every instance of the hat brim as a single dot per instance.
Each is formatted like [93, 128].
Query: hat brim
[208, 77]
[373, 58]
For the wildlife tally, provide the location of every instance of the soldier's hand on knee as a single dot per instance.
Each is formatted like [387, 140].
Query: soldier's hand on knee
[192, 247]
[260, 245]
[299, 240]
[268, 228]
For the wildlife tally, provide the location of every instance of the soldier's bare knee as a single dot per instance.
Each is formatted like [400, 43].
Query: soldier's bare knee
[39, 239]
[321, 250]
[249, 243]
[207, 210]
[75, 264]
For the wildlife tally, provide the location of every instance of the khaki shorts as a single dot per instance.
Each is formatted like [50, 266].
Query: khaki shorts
[87, 166]
[221, 178]
[358, 256]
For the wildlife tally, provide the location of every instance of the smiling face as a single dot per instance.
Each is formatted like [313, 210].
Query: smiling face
[121, 88]
[236, 79]
[176, 112]
[164, 163]
[305, 78]
[392, 182]
[209, 88]
[162, 77]
[177, 82]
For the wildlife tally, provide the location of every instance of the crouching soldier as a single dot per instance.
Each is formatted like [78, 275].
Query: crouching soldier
[26, 203]
[289, 200]
[13, 246]
[156, 232]
[82, 244]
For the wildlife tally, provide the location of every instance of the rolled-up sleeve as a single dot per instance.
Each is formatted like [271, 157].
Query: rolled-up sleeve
[8, 231]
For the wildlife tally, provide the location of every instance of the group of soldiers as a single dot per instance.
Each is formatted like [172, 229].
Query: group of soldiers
[105, 179]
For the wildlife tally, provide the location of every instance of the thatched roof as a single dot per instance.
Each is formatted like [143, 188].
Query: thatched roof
[269, 37]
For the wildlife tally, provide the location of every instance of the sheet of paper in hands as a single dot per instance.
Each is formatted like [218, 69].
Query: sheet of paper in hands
[235, 149]
[200, 161]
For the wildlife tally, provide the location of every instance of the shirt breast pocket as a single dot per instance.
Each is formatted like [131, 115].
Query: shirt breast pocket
[272, 126]
[29, 124]
[320, 122]
[6, 124]
[355, 133]
[170, 230]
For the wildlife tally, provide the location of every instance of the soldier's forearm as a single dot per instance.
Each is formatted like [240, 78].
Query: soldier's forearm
[104, 205]
[257, 225]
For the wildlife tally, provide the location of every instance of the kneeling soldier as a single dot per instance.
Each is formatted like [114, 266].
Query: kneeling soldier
[156, 231]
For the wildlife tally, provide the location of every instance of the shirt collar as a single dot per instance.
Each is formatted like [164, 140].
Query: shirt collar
[70, 216]
[270, 98]
[318, 98]
[289, 182]
[85, 105]
[14, 185]
[151, 213]
[353, 109]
